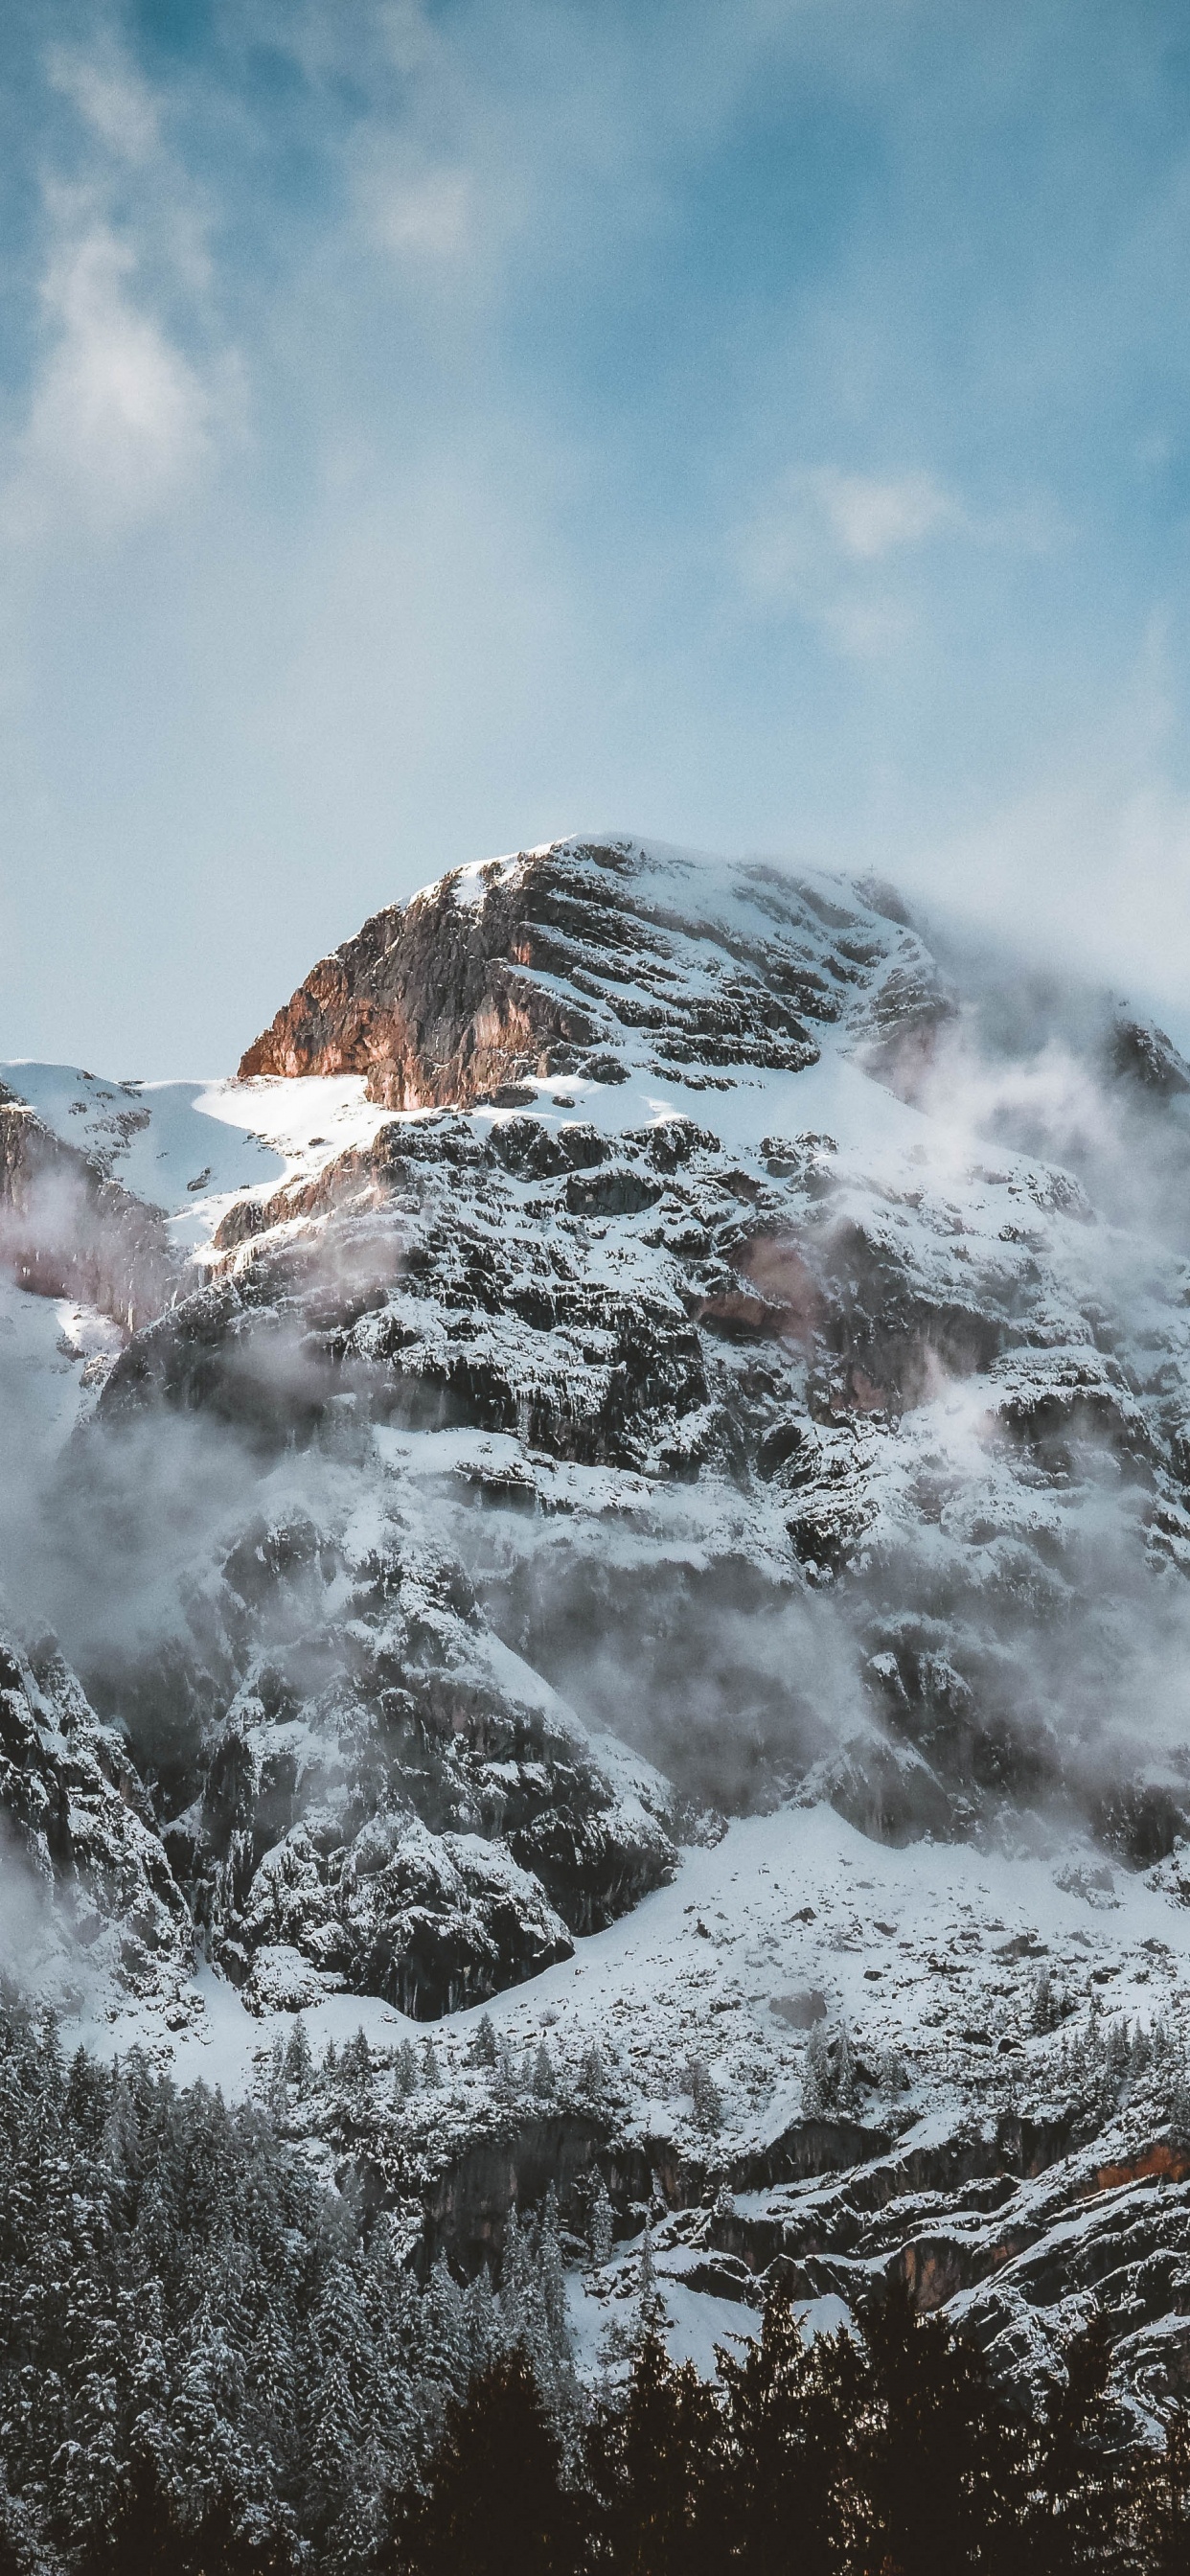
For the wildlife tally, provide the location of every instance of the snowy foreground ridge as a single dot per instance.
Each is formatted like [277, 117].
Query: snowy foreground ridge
[619, 1499]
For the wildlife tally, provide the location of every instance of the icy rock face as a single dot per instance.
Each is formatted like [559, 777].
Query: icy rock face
[82, 1836]
[380, 1809]
[68, 1229]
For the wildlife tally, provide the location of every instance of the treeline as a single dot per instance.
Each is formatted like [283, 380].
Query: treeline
[890, 2456]
[208, 2368]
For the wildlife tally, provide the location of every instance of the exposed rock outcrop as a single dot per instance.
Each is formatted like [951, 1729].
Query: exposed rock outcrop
[536, 965]
[89, 1890]
[66, 1230]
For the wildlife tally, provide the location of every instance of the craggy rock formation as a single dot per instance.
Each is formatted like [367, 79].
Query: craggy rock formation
[66, 1230]
[85, 1871]
[660, 1364]
[380, 1810]
[535, 965]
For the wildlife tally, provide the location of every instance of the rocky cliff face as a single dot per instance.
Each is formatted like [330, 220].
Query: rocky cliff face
[68, 1230]
[534, 966]
[712, 1381]
[88, 1889]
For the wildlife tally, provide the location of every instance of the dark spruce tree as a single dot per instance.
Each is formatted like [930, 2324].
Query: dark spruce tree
[655, 2467]
[493, 2503]
[940, 2464]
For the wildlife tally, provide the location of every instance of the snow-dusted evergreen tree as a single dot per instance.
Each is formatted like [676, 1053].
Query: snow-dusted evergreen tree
[355, 2073]
[483, 2322]
[818, 2075]
[431, 2071]
[599, 2222]
[405, 2073]
[544, 2078]
[481, 2047]
[445, 2359]
[551, 2270]
[1045, 2010]
[505, 2082]
[705, 2094]
[299, 2063]
[651, 2306]
[532, 2304]
[846, 2078]
[593, 2087]
[1178, 2100]
[892, 2076]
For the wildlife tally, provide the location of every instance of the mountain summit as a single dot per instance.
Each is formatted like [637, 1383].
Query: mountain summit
[533, 966]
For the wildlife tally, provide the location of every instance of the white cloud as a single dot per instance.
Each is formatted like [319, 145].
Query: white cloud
[428, 216]
[125, 396]
[1093, 866]
[112, 100]
[872, 516]
[118, 417]
[826, 544]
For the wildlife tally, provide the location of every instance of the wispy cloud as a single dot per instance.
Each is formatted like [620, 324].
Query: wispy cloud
[110, 96]
[118, 418]
[872, 516]
[429, 215]
[828, 545]
[124, 402]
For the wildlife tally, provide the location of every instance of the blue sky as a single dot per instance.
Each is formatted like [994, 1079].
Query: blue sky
[427, 428]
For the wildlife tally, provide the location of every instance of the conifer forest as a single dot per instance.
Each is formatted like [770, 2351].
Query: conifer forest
[213, 2366]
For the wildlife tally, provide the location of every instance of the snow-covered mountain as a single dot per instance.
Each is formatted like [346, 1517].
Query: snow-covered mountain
[631, 1471]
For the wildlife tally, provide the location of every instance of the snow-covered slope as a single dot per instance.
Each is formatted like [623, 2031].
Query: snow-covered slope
[636, 1348]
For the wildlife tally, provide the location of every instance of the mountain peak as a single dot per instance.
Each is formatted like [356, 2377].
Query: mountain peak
[553, 961]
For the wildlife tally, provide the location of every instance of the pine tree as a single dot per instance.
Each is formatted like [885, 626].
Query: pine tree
[1160, 2499]
[142, 2529]
[1116, 2055]
[1178, 2099]
[544, 2081]
[551, 2276]
[892, 2075]
[405, 2073]
[793, 2415]
[705, 2094]
[599, 2223]
[493, 2503]
[481, 2047]
[846, 2078]
[516, 2281]
[942, 2467]
[299, 2063]
[654, 2468]
[443, 2342]
[1076, 2509]
[818, 2076]
[651, 2309]
[355, 2077]
[592, 2078]
[505, 2087]
[431, 2072]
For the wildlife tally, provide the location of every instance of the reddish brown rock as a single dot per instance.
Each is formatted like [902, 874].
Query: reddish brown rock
[427, 1002]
